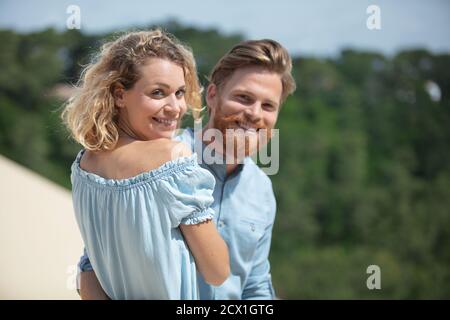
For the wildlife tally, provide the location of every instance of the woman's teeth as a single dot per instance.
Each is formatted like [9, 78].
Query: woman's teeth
[166, 122]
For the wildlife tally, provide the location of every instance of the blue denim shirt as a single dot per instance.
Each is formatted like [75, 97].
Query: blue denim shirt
[245, 207]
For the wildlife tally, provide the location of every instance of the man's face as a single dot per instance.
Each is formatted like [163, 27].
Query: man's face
[247, 102]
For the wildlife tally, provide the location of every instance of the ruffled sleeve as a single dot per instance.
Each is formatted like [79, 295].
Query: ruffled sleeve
[188, 193]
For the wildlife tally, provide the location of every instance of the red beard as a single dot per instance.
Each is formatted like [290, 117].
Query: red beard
[242, 144]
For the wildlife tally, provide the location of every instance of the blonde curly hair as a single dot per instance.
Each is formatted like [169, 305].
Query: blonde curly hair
[91, 114]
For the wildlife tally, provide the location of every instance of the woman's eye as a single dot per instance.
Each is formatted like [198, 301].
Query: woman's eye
[180, 93]
[157, 92]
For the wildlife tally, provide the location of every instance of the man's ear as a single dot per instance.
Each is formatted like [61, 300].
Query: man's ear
[211, 97]
[118, 94]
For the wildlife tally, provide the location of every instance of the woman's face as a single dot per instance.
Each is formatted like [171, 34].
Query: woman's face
[154, 106]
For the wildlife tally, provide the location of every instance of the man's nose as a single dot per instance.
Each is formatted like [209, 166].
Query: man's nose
[254, 112]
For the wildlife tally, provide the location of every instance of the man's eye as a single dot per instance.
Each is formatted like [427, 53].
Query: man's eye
[268, 106]
[243, 97]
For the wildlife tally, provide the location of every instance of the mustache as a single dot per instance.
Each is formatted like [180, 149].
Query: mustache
[225, 122]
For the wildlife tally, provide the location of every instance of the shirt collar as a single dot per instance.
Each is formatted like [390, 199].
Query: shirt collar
[218, 169]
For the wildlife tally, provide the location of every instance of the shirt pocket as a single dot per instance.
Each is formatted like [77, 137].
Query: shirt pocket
[249, 233]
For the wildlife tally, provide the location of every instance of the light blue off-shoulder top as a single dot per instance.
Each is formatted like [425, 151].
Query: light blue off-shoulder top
[130, 227]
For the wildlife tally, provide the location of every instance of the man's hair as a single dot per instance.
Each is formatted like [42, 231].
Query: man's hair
[265, 53]
[91, 115]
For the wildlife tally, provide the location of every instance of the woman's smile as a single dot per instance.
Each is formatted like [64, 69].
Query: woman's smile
[165, 123]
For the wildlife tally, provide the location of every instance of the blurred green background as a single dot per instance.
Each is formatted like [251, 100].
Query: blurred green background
[364, 157]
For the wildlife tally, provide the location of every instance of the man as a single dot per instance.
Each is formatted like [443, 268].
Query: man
[248, 86]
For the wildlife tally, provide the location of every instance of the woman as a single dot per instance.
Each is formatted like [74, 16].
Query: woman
[141, 200]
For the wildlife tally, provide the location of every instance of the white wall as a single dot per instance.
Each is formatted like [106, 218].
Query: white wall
[39, 239]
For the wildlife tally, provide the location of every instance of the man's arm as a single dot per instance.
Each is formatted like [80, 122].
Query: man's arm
[89, 287]
[259, 282]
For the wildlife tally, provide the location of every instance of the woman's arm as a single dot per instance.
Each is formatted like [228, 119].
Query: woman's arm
[90, 288]
[209, 250]
[207, 246]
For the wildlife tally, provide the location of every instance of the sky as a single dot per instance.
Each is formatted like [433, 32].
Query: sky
[311, 27]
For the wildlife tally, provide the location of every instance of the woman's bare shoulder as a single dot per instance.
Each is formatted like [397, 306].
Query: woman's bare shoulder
[144, 156]
[131, 159]
[167, 149]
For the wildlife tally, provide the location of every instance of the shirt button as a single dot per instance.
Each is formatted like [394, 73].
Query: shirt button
[221, 224]
[253, 227]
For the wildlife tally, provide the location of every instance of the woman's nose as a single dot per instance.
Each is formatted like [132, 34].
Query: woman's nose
[173, 104]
